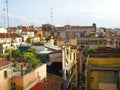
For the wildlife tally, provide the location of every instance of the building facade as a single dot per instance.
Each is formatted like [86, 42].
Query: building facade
[103, 70]
[6, 73]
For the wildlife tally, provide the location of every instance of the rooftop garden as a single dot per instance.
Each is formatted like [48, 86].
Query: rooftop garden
[26, 61]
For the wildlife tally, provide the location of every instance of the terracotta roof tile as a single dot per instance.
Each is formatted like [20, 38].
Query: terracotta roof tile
[6, 35]
[39, 86]
[4, 62]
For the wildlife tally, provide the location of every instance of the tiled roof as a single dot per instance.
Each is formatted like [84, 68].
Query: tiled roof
[54, 82]
[37, 35]
[6, 35]
[24, 29]
[32, 30]
[29, 30]
[39, 86]
[4, 63]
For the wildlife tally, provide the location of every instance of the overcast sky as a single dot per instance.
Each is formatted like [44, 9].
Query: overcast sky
[105, 13]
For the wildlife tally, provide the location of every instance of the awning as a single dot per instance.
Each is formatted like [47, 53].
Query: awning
[39, 86]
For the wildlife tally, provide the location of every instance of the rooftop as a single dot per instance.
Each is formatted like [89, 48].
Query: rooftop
[7, 35]
[4, 63]
[39, 86]
[105, 52]
[54, 47]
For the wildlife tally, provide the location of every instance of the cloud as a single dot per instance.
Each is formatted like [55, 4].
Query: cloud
[23, 19]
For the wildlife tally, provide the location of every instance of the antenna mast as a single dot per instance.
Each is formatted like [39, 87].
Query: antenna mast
[51, 22]
[7, 14]
[4, 18]
[51, 16]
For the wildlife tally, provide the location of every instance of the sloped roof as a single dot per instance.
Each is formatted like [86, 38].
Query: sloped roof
[39, 86]
[7, 35]
[4, 63]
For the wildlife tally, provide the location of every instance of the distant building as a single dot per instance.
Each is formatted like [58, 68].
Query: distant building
[68, 31]
[91, 42]
[48, 30]
[3, 30]
[7, 40]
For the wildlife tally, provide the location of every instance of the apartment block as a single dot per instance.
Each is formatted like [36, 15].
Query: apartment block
[103, 69]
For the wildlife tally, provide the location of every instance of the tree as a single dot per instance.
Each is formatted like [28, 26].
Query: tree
[28, 40]
[2, 56]
[30, 56]
[42, 38]
[47, 39]
[32, 50]
[90, 50]
[16, 55]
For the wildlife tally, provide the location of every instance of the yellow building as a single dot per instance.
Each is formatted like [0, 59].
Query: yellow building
[103, 70]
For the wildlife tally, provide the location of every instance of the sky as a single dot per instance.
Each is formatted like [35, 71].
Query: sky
[105, 13]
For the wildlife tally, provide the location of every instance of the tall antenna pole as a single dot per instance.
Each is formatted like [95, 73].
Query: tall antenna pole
[8, 26]
[51, 16]
[51, 22]
[7, 14]
[4, 17]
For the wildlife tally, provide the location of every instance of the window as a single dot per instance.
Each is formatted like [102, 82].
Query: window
[108, 77]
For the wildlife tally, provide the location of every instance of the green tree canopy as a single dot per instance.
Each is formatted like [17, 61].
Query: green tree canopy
[90, 50]
[28, 40]
[30, 56]
[32, 50]
[16, 55]
[2, 56]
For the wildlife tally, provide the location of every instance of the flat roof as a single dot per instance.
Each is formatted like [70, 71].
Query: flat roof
[54, 47]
